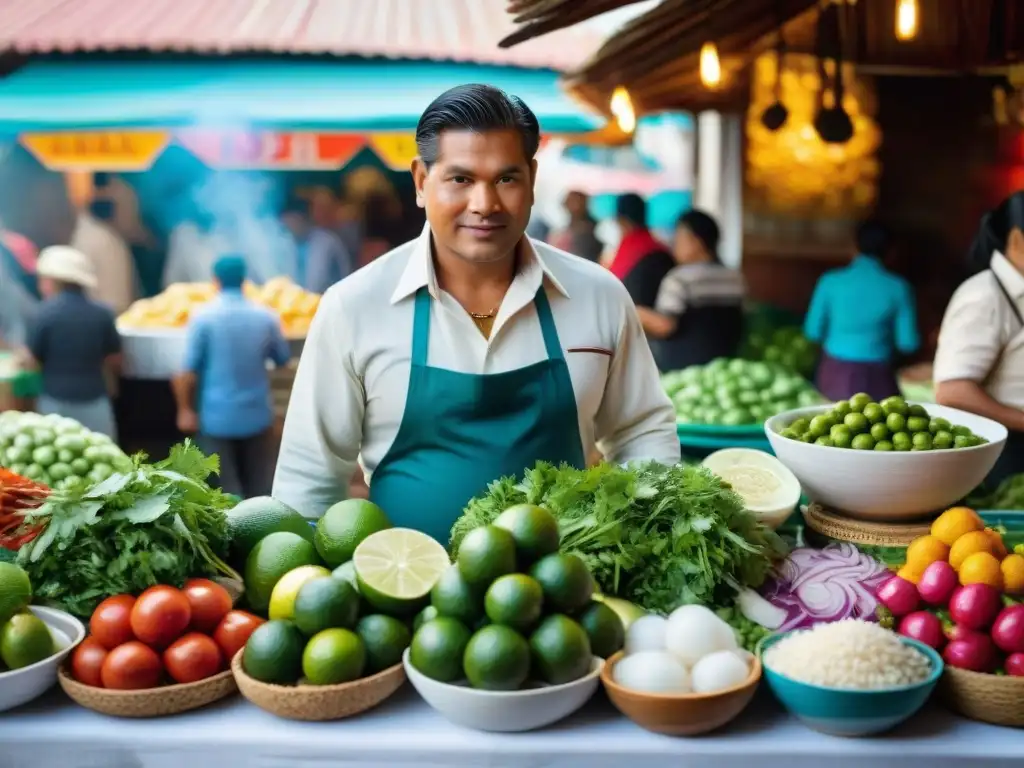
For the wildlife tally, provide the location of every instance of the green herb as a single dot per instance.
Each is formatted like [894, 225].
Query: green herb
[157, 524]
[658, 536]
[748, 633]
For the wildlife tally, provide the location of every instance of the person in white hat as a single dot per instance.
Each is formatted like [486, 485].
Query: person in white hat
[72, 340]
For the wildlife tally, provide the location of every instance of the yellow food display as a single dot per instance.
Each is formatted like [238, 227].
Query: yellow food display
[172, 308]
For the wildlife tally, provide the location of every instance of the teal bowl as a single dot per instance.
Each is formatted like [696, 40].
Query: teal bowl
[847, 711]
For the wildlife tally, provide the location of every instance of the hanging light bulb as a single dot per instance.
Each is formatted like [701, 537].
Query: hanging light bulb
[622, 109]
[710, 66]
[906, 19]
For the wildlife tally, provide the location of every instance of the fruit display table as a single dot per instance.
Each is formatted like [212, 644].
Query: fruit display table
[404, 733]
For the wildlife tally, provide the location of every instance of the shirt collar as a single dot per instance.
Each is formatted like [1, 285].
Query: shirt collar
[1008, 275]
[419, 271]
[863, 260]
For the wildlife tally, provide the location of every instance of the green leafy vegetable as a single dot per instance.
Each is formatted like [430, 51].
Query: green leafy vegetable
[156, 524]
[658, 536]
[748, 633]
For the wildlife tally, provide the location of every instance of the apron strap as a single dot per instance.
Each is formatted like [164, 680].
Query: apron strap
[1009, 299]
[547, 325]
[421, 327]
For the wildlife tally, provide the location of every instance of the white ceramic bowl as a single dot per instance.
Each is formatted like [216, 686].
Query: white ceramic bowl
[504, 711]
[888, 486]
[20, 686]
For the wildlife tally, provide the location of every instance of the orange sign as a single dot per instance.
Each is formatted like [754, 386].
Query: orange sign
[396, 150]
[96, 150]
[270, 150]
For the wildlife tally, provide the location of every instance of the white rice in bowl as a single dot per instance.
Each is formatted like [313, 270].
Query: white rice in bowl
[851, 654]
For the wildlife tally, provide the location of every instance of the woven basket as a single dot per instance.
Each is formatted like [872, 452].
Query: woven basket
[834, 526]
[154, 702]
[995, 699]
[319, 702]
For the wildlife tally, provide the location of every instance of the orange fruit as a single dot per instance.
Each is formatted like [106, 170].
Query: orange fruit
[954, 523]
[1012, 569]
[911, 573]
[981, 568]
[969, 544]
[925, 550]
[998, 545]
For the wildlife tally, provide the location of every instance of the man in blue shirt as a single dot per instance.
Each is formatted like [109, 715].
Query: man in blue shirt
[862, 315]
[320, 256]
[223, 392]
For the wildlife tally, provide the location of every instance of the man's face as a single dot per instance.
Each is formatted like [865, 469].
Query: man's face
[576, 203]
[478, 194]
[297, 224]
[1015, 248]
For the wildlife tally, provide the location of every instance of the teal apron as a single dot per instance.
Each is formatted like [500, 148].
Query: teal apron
[462, 431]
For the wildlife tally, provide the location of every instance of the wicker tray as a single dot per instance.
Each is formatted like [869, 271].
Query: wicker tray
[317, 703]
[833, 525]
[154, 702]
[992, 699]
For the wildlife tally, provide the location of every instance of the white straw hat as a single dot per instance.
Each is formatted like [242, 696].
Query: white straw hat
[67, 264]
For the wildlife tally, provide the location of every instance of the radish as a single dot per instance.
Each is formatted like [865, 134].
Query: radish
[1008, 629]
[973, 651]
[1014, 665]
[923, 626]
[975, 606]
[937, 583]
[899, 596]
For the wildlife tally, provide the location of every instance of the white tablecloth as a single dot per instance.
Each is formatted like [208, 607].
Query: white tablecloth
[404, 733]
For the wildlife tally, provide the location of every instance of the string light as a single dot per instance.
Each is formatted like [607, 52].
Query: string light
[710, 66]
[622, 109]
[906, 19]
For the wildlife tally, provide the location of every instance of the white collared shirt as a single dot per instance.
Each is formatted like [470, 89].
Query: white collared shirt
[352, 381]
[111, 258]
[981, 339]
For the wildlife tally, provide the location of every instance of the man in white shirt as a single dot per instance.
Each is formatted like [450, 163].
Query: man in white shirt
[110, 256]
[471, 352]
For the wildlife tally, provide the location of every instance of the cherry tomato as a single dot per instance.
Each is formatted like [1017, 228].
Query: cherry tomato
[160, 616]
[193, 657]
[209, 601]
[131, 667]
[233, 632]
[110, 624]
[87, 661]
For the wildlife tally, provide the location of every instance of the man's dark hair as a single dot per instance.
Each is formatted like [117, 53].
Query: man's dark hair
[872, 239]
[632, 208]
[295, 205]
[475, 107]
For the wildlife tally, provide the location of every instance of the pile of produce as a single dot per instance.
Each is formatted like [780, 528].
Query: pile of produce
[17, 494]
[24, 637]
[57, 451]
[692, 651]
[657, 536]
[736, 392]
[959, 593]
[512, 608]
[164, 636]
[892, 425]
[787, 346]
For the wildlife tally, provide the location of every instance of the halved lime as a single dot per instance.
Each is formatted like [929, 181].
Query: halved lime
[396, 568]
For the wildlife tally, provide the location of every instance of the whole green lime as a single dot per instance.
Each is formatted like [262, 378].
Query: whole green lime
[385, 639]
[604, 629]
[325, 603]
[561, 650]
[453, 596]
[565, 581]
[427, 614]
[485, 554]
[273, 653]
[271, 558]
[344, 527]
[534, 529]
[497, 658]
[15, 590]
[514, 600]
[24, 640]
[333, 656]
[254, 519]
[437, 649]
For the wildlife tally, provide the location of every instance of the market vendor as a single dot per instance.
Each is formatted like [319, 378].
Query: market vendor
[472, 352]
[698, 314]
[862, 315]
[641, 260]
[979, 363]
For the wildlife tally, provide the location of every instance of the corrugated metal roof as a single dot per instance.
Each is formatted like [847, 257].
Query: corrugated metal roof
[441, 30]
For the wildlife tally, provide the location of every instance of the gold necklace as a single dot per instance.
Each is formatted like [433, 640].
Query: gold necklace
[486, 316]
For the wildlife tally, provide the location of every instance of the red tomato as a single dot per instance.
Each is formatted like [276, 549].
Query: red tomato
[209, 602]
[87, 661]
[111, 623]
[233, 632]
[193, 657]
[131, 667]
[160, 616]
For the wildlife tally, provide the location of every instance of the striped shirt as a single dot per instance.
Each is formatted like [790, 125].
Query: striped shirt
[698, 286]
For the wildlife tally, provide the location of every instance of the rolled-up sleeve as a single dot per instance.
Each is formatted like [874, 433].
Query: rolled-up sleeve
[636, 419]
[195, 347]
[969, 340]
[323, 428]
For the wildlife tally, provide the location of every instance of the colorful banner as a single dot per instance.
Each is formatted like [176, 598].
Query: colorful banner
[96, 150]
[396, 150]
[270, 150]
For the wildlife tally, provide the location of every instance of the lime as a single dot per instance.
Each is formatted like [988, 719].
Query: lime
[862, 443]
[960, 431]
[879, 432]
[561, 650]
[820, 425]
[437, 649]
[332, 657]
[893, 405]
[273, 653]
[883, 445]
[396, 568]
[345, 526]
[514, 600]
[938, 424]
[497, 658]
[44, 456]
[347, 572]
[962, 441]
[800, 425]
[24, 640]
[859, 401]
[15, 591]
[251, 520]
[873, 413]
[896, 422]
[917, 424]
[856, 422]
[901, 441]
[271, 558]
[565, 581]
[427, 614]
[81, 467]
[534, 529]
[485, 554]
[452, 596]
[604, 629]
[385, 639]
[282, 597]
[922, 441]
[323, 603]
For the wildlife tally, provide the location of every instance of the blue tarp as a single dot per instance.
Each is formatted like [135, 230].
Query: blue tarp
[345, 95]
